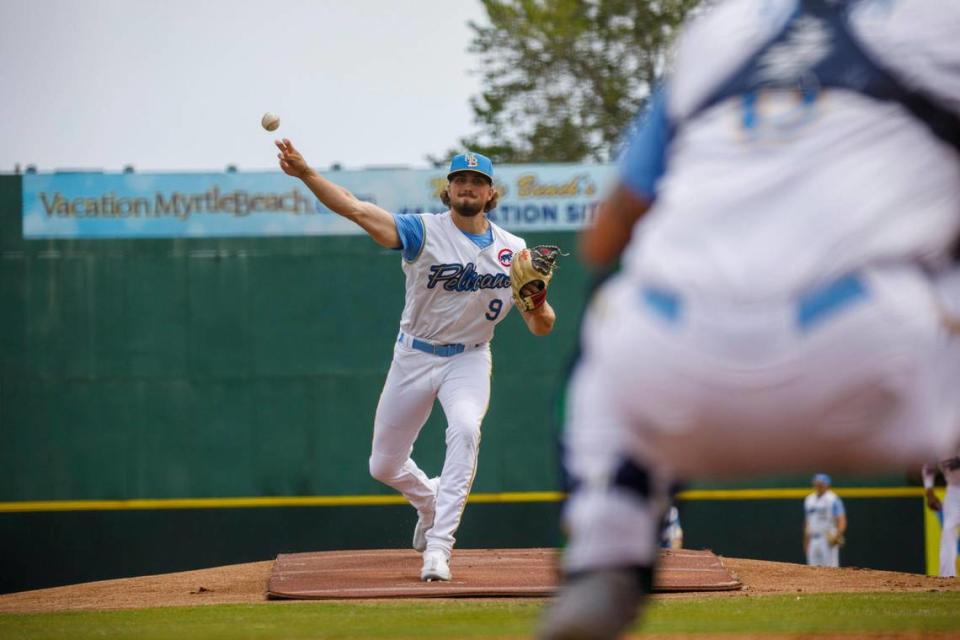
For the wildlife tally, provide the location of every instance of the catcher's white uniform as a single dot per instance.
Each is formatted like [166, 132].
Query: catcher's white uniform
[457, 290]
[776, 310]
[951, 513]
[821, 513]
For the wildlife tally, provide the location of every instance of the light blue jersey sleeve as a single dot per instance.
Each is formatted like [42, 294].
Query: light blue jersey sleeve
[410, 230]
[838, 508]
[645, 159]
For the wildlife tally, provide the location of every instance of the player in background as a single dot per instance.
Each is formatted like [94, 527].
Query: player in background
[824, 525]
[671, 533]
[777, 314]
[950, 508]
[457, 267]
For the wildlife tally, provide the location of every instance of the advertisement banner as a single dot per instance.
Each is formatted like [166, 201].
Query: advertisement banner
[169, 205]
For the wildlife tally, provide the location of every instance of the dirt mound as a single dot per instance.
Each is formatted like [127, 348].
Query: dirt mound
[763, 577]
[233, 584]
[514, 573]
[246, 583]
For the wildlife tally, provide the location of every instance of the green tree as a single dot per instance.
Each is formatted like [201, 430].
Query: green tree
[563, 78]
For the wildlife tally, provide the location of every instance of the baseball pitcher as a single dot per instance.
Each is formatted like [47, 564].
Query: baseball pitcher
[776, 311]
[463, 274]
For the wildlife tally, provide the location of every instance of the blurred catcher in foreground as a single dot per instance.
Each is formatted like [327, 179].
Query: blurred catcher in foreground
[777, 308]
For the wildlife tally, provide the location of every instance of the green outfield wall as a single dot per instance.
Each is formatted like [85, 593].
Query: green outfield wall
[218, 369]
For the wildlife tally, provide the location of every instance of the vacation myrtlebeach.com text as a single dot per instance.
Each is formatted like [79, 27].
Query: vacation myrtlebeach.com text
[182, 206]
[179, 205]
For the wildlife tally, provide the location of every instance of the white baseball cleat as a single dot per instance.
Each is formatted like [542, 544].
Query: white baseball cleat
[425, 520]
[435, 567]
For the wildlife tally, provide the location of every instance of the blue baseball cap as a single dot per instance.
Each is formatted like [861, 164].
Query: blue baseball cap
[470, 161]
[822, 477]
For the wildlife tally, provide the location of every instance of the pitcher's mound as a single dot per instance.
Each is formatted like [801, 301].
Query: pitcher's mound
[338, 575]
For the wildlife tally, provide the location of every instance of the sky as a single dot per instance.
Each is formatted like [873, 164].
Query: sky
[181, 85]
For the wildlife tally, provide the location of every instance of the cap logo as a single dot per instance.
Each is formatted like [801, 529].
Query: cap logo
[471, 160]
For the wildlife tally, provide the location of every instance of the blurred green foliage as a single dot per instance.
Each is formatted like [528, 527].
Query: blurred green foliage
[563, 78]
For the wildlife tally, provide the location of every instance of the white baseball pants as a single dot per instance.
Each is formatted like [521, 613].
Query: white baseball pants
[820, 553]
[462, 384]
[714, 389]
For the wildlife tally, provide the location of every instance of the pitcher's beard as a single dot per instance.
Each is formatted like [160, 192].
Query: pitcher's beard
[468, 209]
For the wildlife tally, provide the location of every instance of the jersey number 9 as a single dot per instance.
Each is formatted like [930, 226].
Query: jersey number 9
[496, 305]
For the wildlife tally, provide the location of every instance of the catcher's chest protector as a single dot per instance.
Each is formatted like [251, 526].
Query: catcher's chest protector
[457, 292]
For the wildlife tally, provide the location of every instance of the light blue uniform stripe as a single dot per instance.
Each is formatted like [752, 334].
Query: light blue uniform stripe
[645, 160]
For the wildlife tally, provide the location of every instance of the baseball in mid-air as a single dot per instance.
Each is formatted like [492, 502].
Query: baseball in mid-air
[270, 121]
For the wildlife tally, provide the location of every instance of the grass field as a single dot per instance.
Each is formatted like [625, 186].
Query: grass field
[859, 613]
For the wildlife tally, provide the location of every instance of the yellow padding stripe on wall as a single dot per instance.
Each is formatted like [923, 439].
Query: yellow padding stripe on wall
[477, 498]
[797, 494]
[249, 503]
[200, 503]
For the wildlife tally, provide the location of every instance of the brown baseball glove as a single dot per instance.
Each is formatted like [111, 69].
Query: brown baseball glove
[835, 539]
[530, 275]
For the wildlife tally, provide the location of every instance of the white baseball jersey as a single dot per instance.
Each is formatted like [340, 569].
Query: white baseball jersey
[822, 512]
[710, 231]
[456, 291]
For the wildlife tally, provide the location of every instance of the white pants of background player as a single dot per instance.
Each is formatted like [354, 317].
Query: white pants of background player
[820, 553]
[734, 390]
[462, 384]
[948, 534]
